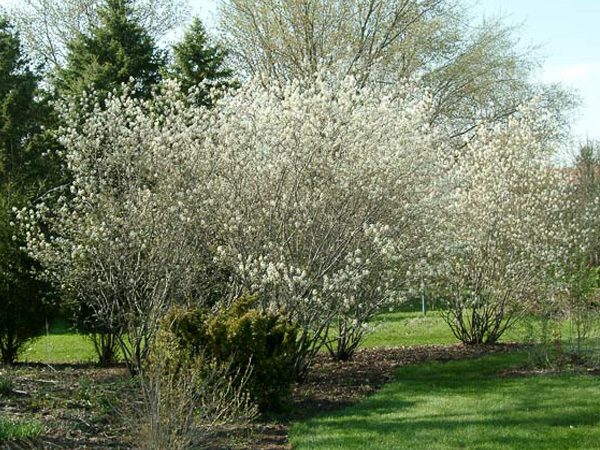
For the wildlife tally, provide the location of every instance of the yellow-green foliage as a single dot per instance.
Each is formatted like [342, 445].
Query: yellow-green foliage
[243, 337]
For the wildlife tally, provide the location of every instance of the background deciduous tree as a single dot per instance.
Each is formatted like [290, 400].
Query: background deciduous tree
[475, 73]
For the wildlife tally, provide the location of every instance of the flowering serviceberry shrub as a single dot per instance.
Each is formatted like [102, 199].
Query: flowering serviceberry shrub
[122, 237]
[319, 189]
[310, 195]
[504, 228]
[326, 200]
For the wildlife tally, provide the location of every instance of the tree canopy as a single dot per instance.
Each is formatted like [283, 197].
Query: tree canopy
[48, 26]
[474, 72]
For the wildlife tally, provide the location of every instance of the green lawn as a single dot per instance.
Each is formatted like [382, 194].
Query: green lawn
[445, 406]
[60, 345]
[404, 327]
[465, 405]
[409, 328]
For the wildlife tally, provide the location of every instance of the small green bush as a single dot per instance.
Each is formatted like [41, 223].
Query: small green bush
[186, 400]
[243, 336]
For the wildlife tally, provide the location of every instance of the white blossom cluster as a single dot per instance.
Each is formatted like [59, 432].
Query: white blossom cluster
[505, 229]
[325, 200]
[124, 235]
[320, 192]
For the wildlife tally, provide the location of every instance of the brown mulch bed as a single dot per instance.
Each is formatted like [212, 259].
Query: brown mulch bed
[75, 403]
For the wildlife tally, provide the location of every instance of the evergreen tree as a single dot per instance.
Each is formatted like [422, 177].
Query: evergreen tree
[196, 61]
[119, 49]
[23, 171]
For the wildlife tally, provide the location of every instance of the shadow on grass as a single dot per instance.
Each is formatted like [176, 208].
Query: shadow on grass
[465, 404]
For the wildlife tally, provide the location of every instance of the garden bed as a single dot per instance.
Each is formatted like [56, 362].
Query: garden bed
[78, 405]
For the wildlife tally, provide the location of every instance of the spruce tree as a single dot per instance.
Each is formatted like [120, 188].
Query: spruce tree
[197, 61]
[118, 50]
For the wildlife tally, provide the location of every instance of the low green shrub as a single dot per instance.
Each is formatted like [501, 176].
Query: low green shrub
[185, 399]
[243, 336]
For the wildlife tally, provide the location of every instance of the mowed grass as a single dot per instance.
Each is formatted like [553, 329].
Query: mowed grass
[446, 406]
[406, 326]
[409, 327]
[465, 405]
[60, 345]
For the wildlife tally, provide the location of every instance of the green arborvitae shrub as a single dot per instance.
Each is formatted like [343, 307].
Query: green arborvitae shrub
[243, 337]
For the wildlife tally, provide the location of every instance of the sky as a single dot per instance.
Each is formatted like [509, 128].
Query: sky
[566, 32]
